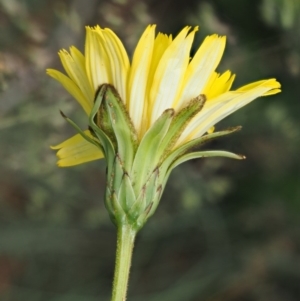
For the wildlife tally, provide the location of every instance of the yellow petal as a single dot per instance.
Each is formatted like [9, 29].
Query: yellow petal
[161, 43]
[224, 105]
[138, 76]
[220, 85]
[97, 62]
[201, 67]
[272, 84]
[85, 84]
[76, 150]
[210, 82]
[170, 72]
[119, 61]
[72, 88]
[76, 71]
[211, 130]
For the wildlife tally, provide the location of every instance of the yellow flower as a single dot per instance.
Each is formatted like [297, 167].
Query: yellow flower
[160, 76]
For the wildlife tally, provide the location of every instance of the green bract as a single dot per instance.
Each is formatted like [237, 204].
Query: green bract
[137, 171]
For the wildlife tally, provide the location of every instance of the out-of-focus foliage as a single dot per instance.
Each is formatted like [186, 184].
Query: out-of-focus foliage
[225, 230]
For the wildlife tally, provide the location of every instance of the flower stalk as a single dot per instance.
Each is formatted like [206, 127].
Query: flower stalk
[125, 242]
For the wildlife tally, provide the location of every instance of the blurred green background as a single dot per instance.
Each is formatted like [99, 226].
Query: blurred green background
[225, 230]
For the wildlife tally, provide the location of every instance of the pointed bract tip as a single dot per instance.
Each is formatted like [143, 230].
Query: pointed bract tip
[234, 128]
[201, 98]
[62, 114]
[170, 111]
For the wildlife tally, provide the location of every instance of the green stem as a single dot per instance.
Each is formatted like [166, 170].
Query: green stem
[125, 243]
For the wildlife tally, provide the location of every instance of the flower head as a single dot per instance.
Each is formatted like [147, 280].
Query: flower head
[161, 76]
[146, 117]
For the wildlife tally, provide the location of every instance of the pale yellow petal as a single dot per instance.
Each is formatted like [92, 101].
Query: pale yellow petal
[118, 60]
[97, 62]
[201, 67]
[72, 88]
[224, 105]
[272, 92]
[76, 71]
[195, 125]
[161, 43]
[170, 72]
[138, 77]
[85, 84]
[76, 150]
[272, 83]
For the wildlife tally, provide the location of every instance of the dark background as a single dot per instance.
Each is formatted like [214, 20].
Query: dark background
[225, 230]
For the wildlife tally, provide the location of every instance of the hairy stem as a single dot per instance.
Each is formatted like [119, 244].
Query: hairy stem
[125, 243]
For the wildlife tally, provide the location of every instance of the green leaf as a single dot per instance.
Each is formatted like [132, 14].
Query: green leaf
[103, 122]
[107, 145]
[143, 217]
[122, 126]
[126, 193]
[115, 174]
[80, 131]
[205, 154]
[183, 153]
[109, 205]
[119, 214]
[148, 155]
[180, 122]
[151, 207]
[145, 196]
[185, 148]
